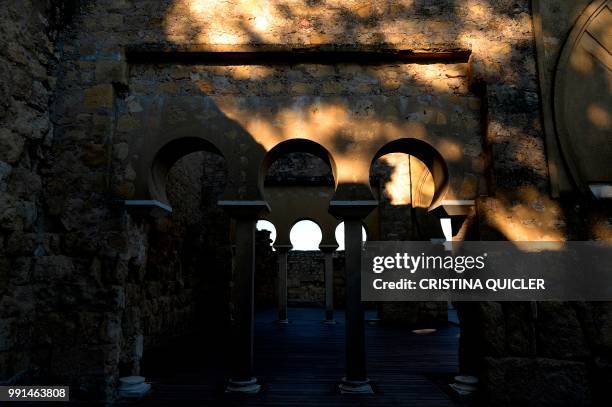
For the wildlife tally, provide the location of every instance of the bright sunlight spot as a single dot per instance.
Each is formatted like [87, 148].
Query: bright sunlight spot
[305, 235]
[447, 228]
[340, 235]
[267, 225]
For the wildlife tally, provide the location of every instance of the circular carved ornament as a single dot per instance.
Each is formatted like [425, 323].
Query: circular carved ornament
[583, 97]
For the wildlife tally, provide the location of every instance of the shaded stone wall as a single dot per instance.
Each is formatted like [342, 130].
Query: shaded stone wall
[538, 353]
[305, 277]
[31, 263]
[299, 169]
[86, 285]
[187, 261]
[552, 351]
[266, 271]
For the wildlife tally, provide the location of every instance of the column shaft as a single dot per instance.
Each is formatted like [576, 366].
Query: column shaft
[329, 286]
[242, 314]
[355, 324]
[282, 285]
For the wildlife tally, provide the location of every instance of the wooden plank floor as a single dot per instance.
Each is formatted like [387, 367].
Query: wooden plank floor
[301, 363]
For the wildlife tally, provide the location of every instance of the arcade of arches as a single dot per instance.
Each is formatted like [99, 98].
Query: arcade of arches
[141, 141]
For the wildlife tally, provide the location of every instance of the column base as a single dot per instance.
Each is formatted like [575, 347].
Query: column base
[282, 321]
[355, 386]
[373, 321]
[329, 322]
[245, 387]
[133, 387]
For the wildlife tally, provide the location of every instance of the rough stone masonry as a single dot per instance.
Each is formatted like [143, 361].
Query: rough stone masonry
[86, 287]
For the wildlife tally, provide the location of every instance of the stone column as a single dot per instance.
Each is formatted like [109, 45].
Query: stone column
[356, 379]
[282, 251]
[328, 252]
[245, 216]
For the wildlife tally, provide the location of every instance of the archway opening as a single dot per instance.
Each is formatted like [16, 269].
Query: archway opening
[188, 258]
[305, 235]
[267, 226]
[297, 161]
[170, 154]
[405, 189]
[297, 181]
[265, 264]
[409, 178]
[339, 235]
[430, 159]
[195, 242]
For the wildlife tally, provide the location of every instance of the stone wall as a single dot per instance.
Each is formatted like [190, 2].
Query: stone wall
[299, 169]
[305, 278]
[86, 285]
[31, 264]
[266, 272]
[187, 258]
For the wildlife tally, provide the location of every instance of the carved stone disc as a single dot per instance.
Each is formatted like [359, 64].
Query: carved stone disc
[583, 96]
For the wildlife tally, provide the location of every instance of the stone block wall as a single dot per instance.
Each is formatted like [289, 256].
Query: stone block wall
[305, 278]
[299, 169]
[266, 272]
[555, 353]
[31, 262]
[85, 285]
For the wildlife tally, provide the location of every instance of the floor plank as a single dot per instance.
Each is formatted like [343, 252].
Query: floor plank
[301, 363]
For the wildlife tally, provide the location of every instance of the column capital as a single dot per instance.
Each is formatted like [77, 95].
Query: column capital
[244, 209]
[328, 248]
[142, 208]
[352, 209]
[283, 248]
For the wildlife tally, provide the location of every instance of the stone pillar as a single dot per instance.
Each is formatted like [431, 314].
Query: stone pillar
[328, 252]
[282, 251]
[356, 379]
[353, 212]
[245, 217]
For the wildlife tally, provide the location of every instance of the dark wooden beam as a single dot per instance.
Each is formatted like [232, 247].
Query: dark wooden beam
[291, 55]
